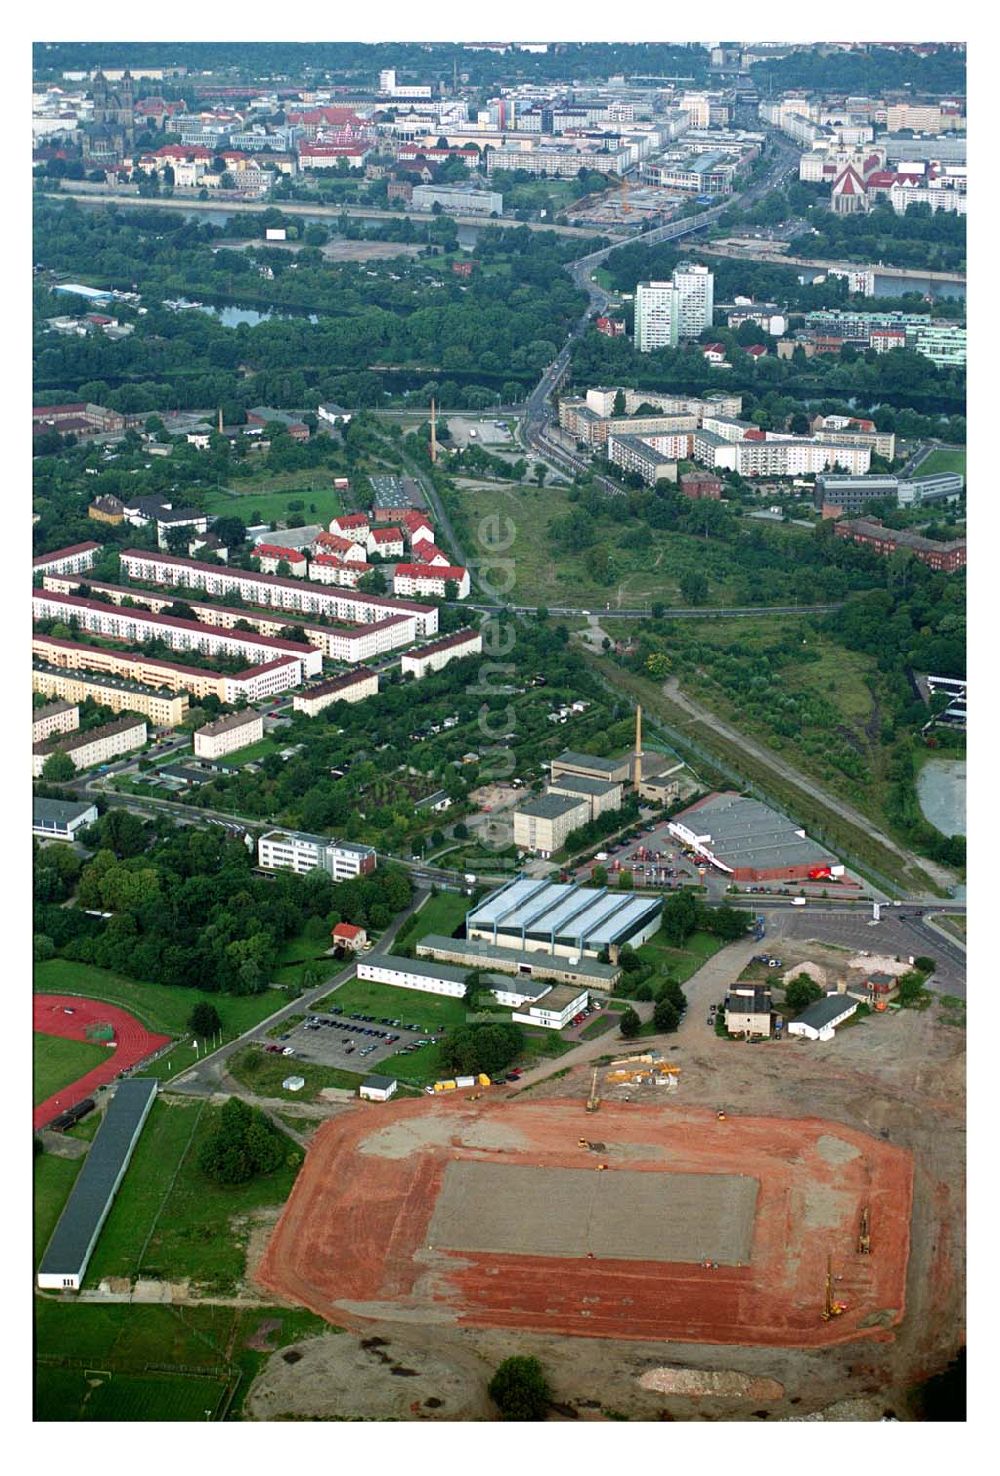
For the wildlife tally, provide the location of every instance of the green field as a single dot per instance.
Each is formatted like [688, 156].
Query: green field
[263, 1074]
[641, 575]
[56, 1062]
[201, 1355]
[681, 962]
[53, 1179]
[162, 1008]
[169, 1221]
[942, 461]
[363, 997]
[441, 914]
[271, 500]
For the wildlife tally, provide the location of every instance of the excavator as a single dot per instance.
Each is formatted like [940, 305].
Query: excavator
[831, 1307]
[864, 1234]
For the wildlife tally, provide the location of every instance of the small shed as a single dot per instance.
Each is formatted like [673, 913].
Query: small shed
[293, 1083]
[378, 1088]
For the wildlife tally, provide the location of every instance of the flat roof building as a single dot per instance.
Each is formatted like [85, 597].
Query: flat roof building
[477, 953]
[564, 920]
[65, 1260]
[296, 850]
[591, 766]
[542, 824]
[61, 819]
[751, 842]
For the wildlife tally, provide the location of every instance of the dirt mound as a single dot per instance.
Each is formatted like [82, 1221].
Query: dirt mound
[697, 1383]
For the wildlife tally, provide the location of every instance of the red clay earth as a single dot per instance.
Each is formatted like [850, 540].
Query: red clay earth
[351, 1243]
[133, 1043]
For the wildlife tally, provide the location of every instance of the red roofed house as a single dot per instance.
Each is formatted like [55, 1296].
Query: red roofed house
[756, 351]
[271, 555]
[610, 327]
[426, 552]
[462, 268]
[428, 579]
[416, 523]
[714, 353]
[347, 935]
[387, 542]
[328, 156]
[332, 569]
[848, 194]
[332, 543]
[354, 526]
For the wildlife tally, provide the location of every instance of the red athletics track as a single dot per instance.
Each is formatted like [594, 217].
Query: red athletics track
[133, 1043]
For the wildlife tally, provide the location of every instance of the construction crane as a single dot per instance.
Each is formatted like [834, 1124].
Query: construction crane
[593, 1101]
[864, 1234]
[831, 1308]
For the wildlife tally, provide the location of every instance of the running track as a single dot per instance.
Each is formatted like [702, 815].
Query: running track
[133, 1043]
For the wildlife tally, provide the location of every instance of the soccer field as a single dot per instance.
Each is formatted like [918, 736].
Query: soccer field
[56, 1062]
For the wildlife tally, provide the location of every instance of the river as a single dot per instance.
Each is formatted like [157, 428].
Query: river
[941, 792]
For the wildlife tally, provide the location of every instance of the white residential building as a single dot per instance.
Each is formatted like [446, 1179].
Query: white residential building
[352, 686]
[54, 717]
[431, 579]
[95, 746]
[72, 560]
[294, 850]
[439, 653]
[229, 734]
[666, 312]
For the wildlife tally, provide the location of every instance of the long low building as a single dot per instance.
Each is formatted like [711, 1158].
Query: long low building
[449, 648]
[564, 919]
[68, 1253]
[339, 642]
[72, 560]
[351, 686]
[296, 595]
[93, 746]
[945, 557]
[751, 842]
[475, 953]
[137, 626]
[295, 850]
[819, 1020]
[162, 708]
[540, 1001]
[255, 683]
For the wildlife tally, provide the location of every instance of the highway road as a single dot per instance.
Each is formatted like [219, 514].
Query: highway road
[687, 612]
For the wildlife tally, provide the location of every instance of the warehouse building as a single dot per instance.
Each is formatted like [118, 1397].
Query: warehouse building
[563, 920]
[64, 1263]
[476, 953]
[821, 1018]
[591, 766]
[750, 842]
[600, 795]
[458, 199]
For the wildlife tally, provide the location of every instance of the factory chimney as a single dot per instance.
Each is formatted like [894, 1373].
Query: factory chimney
[434, 449]
[637, 756]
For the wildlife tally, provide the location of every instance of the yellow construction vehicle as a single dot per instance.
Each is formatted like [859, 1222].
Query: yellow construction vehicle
[831, 1308]
[721, 1116]
[593, 1101]
[864, 1234]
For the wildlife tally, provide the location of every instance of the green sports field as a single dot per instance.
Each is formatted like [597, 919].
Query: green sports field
[57, 1061]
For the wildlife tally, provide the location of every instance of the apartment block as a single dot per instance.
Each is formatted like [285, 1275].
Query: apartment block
[945, 557]
[450, 648]
[541, 825]
[72, 560]
[294, 595]
[54, 717]
[641, 456]
[352, 686]
[96, 746]
[161, 708]
[137, 626]
[228, 734]
[430, 579]
[294, 850]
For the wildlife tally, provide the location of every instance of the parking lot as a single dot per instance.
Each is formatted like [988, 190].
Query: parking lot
[654, 859]
[356, 1042]
[491, 433]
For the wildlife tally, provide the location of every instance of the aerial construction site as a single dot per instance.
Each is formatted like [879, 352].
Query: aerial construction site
[671, 1224]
